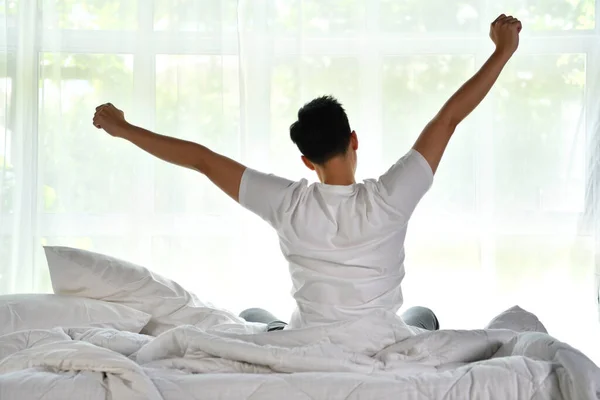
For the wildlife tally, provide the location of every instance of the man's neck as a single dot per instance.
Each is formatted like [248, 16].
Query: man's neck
[339, 181]
[338, 171]
[337, 175]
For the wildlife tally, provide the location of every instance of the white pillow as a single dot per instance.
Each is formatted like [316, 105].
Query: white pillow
[46, 311]
[98, 276]
[518, 320]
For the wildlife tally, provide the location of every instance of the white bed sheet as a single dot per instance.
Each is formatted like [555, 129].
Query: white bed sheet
[360, 359]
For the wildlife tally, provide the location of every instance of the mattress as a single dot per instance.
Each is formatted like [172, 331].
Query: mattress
[337, 362]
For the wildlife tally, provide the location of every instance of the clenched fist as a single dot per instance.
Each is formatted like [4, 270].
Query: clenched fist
[109, 118]
[504, 32]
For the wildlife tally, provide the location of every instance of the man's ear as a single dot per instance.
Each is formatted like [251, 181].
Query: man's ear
[308, 164]
[354, 141]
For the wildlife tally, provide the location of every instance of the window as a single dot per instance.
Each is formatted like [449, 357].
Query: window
[506, 221]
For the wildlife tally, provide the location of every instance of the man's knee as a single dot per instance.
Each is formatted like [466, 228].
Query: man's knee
[249, 312]
[257, 315]
[421, 317]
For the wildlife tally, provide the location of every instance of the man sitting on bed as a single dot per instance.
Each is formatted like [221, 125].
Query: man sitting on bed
[343, 240]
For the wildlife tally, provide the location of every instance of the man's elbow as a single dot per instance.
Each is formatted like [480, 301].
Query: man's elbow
[200, 160]
[200, 166]
[447, 120]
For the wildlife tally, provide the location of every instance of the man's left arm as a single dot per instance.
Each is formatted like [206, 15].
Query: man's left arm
[432, 142]
[222, 171]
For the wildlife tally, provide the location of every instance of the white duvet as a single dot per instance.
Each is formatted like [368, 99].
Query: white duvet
[365, 359]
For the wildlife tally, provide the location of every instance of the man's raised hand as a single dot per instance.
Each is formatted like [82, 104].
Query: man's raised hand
[504, 32]
[109, 118]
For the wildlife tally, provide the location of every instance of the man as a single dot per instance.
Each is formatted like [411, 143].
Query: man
[343, 240]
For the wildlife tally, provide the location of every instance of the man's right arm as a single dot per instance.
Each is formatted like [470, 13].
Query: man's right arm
[434, 139]
[263, 194]
[222, 171]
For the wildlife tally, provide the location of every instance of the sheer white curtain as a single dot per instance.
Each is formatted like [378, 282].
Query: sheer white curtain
[512, 216]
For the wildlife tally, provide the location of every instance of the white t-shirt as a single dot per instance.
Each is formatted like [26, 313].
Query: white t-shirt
[344, 244]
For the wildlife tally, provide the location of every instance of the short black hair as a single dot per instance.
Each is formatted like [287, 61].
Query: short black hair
[322, 130]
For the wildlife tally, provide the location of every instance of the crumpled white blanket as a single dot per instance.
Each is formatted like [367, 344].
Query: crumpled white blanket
[368, 358]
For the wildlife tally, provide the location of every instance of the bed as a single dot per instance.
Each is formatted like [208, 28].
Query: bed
[133, 334]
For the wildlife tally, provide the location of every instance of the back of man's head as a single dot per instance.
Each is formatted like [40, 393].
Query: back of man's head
[322, 130]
